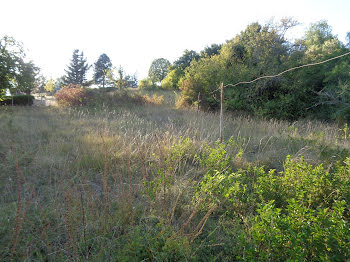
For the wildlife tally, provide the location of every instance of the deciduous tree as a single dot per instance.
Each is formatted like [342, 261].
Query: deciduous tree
[177, 70]
[15, 73]
[186, 59]
[26, 77]
[158, 70]
[11, 53]
[172, 79]
[50, 85]
[131, 81]
[262, 50]
[211, 50]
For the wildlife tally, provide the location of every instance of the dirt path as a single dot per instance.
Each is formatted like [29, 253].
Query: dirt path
[45, 101]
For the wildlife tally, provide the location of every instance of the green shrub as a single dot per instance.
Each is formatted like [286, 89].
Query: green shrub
[313, 186]
[298, 214]
[18, 100]
[299, 233]
[172, 79]
[146, 84]
[154, 243]
[215, 158]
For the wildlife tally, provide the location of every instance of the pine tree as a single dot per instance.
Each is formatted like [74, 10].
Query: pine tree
[102, 68]
[76, 72]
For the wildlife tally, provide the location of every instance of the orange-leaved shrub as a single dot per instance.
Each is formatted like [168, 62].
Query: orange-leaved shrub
[72, 95]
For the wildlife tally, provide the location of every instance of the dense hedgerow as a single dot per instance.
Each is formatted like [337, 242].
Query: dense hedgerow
[18, 100]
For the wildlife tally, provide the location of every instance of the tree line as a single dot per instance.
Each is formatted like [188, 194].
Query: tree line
[167, 76]
[104, 74]
[19, 76]
[261, 49]
[321, 91]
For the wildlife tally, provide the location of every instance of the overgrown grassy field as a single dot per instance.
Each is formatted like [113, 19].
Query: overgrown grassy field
[143, 182]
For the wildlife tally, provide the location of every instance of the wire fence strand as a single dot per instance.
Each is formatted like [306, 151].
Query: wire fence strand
[285, 71]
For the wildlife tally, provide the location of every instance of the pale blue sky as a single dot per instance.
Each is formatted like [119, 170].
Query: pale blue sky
[134, 32]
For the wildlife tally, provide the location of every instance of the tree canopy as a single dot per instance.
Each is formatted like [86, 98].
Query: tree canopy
[263, 50]
[77, 69]
[50, 85]
[120, 80]
[158, 69]
[102, 66]
[15, 73]
[26, 77]
[211, 50]
[186, 59]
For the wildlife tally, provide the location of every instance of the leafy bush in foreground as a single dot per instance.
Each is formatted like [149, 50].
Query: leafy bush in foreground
[300, 233]
[300, 213]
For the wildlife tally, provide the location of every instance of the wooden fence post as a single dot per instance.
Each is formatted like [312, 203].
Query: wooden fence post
[198, 101]
[221, 113]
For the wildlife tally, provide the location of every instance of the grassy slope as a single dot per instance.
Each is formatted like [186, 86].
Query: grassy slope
[88, 183]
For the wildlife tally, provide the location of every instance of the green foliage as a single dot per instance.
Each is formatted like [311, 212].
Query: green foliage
[18, 100]
[345, 132]
[219, 187]
[261, 50]
[15, 73]
[311, 186]
[335, 101]
[216, 158]
[40, 82]
[302, 213]
[102, 66]
[172, 80]
[119, 80]
[131, 81]
[154, 243]
[174, 164]
[177, 70]
[77, 69]
[318, 35]
[158, 70]
[10, 53]
[146, 84]
[26, 77]
[300, 233]
[186, 59]
[202, 77]
[50, 85]
[211, 50]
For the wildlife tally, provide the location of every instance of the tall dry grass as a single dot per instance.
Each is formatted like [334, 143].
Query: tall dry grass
[77, 183]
